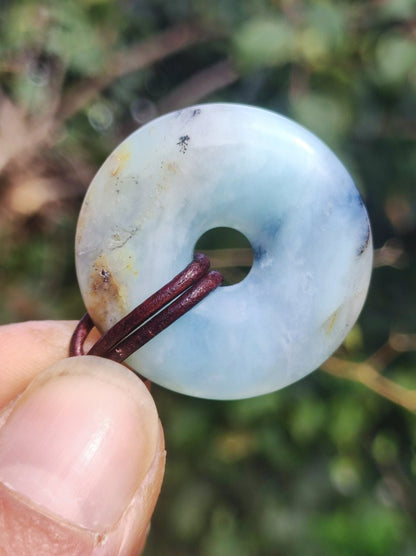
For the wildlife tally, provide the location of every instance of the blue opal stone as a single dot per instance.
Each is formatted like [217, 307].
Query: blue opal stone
[267, 177]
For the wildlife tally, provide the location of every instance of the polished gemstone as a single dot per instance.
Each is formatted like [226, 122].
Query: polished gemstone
[267, 177]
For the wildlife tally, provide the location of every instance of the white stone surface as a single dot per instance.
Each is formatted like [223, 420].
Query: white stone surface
[271, 179]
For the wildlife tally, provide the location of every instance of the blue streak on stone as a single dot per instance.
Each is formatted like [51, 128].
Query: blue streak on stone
[259, 252]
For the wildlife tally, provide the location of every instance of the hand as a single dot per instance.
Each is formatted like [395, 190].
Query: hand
[81, 449]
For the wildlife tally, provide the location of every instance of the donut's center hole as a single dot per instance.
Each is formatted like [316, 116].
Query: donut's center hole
[229, 251]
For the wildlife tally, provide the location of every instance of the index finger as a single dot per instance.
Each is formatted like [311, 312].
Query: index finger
[28, 348]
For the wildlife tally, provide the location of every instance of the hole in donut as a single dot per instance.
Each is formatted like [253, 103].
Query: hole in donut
[229, 251]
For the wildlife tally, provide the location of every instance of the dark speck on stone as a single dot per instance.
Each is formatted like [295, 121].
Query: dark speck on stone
[105, 274]
[365, 243]
[183, 143]
[355, 197]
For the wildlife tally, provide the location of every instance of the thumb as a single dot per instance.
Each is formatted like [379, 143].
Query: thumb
[81, 462]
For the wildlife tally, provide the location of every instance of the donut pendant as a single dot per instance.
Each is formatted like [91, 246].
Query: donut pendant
[256, 172]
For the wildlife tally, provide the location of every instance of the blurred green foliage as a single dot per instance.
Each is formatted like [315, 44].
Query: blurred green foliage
[326, 466]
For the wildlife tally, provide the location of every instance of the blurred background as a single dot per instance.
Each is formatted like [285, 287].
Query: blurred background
[326, 466]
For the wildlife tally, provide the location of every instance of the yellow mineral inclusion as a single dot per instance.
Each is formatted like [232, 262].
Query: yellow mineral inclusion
[131, 267]
[329, 324]
[120, 158]
[106, 296]
[172, 167]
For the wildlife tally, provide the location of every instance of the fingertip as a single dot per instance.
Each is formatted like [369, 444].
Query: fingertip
[28, 348]
[82, 448]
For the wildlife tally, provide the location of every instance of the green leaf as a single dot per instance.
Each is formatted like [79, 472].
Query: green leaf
[324, 34]
[23, 25]
[395, 58]
[347, 423]
[393, 9]
[264, 42]
[384, 448]
[329, 116]
[76, 40]
[354, 342]
[373, 531]
[308, 420]
[345, 475]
